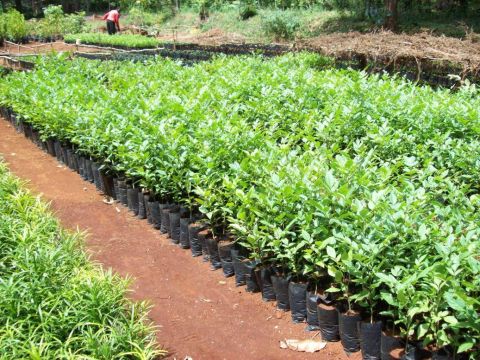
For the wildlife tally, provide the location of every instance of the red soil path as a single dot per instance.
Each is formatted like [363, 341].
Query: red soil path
[199, 313]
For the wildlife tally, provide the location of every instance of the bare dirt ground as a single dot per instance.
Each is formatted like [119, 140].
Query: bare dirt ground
[198, 312]
[33, 48]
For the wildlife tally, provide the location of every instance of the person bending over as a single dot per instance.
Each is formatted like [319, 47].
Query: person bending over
[113, 23]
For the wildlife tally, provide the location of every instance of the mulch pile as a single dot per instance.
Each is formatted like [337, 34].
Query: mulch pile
[424, 50]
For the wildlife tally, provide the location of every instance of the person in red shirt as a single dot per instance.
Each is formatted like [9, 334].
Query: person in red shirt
[113, 23]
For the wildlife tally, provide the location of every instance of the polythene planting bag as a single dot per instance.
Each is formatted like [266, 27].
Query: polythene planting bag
[411, 352]
[107, 184]
[81, 167]
[174, 228]
[250, 276]
[75, 161]
[280, 285]
[115, 188]
[58, 151]
[51, 147]
[370, 340]
[202, 239]
[328, 322]
[65, 155]
[442, 354]
[142, 211]
[297, 295]
[148, 207]
[387, 344]
[349, 331]
[122, 191]
[184, 240]
[268, 293]
[239, 267]
[212, 246]
[69, 162]
[88, 165]
[165, 219]
[132, 197]
[156, 216]
[225, 252]
[195, 246]
[96, 175]
[312, 315]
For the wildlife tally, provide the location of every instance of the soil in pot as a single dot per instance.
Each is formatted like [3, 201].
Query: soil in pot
[212, 245]
[142, 211]
[239, 267]
[268, 293]
[396, 354]
[328, 322]
[202, 239]
[370, 340]
[184, 240]
[388, 342]
[312, 315]
[195, 246]
[174, 228]
[250, 276]
[297, 295]
[280, 286]
[225, 247]
[348, 325]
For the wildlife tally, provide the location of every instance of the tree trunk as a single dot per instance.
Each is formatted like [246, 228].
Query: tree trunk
[391, 19]
[18, 5]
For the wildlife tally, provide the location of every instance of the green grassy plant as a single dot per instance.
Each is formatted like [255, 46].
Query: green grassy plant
[54, 304]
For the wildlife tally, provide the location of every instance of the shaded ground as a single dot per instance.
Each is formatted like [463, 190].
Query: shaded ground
[199, 313]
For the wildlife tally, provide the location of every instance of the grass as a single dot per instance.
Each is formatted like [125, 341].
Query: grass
[317, 21]
[54, 303]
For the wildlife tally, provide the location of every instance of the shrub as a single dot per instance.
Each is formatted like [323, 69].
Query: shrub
[15, 26]
[281, 25]
[247, 11]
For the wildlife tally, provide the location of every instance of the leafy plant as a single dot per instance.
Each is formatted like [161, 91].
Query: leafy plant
[366, 182]
[54, 302]
[281, 25]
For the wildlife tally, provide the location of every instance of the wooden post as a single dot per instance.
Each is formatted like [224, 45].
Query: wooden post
[174, 40]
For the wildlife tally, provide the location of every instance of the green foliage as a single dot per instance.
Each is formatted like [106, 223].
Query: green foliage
[56, 24]
[281, 25]
[119, 40]
[13, 26]
[369, 183]
[54, 304]
[141, 17]
[247, 10]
